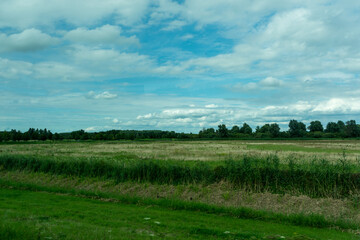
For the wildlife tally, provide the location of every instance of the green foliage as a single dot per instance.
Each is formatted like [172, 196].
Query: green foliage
[317, 179]
[207, 133]
[222, 131]
[246, 129]
[316, 126]
[352, 129]
[296, 129]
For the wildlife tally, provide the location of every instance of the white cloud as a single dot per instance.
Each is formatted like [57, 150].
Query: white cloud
[236, 115]
[90, 129]
[334, 75]
[23, 14]
[295, 38]
[50, 71]
[109, 61]
[174, 25]
[59, 71]
[339, 106]
[265, 84]
[106, 34]
[103, 95]
[27, 41]
[271, 82]
[187, 37]
[13, 69]
[211, 106]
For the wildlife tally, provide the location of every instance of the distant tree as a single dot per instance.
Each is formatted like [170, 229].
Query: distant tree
[352, 129]
[316, 126]
[235, 129]
[269, 130]
[332, 127]
[222, 131]
[341, 125]
[207, 133]
[264, 129]
[246, 129]
[274, 130]
[296, 129]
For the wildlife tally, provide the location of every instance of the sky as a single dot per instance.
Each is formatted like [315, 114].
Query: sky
[177, 65]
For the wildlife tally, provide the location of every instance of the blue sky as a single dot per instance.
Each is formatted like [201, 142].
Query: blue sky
[177, 65]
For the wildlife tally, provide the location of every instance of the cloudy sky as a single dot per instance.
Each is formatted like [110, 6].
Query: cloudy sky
[177, 65]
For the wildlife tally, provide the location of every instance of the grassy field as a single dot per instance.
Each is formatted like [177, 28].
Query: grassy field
[191, 150]
[187, 189]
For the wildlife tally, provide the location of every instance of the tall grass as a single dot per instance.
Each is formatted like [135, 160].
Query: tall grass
[316, 179]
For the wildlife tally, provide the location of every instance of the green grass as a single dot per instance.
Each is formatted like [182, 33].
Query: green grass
[316, 179]
[296, 148]
[43, 215]
[299, 219]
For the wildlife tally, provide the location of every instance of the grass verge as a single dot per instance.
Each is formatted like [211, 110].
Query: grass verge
[49, 215]
[313, 220]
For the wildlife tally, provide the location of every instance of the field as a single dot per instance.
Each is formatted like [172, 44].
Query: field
[180, 190]
[192, 150]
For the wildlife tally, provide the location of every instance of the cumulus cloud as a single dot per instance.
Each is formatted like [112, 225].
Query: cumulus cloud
[27, 41]
[338, 106]
[103, 95]
[20, 14]
[293, 39]
[106, 34]
[211, 117]
[211, 106]
[110, 61]
[174, 25]
[50, 71]
[270, 82]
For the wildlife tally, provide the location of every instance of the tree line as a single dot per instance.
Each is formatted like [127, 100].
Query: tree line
[44, 134]
[297, 129]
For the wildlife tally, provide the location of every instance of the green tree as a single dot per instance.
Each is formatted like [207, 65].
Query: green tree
[235, 129]
[246, 129]
[222, 131]
[332, 127]
[274, 130]
[207, 133]
[341, 125]
[316, 126]
[352, 129]
[264, 129]
[296, 129]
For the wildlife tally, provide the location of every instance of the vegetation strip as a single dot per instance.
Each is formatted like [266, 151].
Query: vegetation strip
[268, 131]
[317, 221]
[42, 215]
[318, 179]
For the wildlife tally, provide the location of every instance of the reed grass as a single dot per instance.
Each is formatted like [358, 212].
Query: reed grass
[316, 179]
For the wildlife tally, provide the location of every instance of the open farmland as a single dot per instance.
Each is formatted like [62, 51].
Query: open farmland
[192, 150]
[282, 187]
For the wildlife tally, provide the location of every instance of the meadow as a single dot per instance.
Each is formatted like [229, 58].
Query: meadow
[287, 184]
